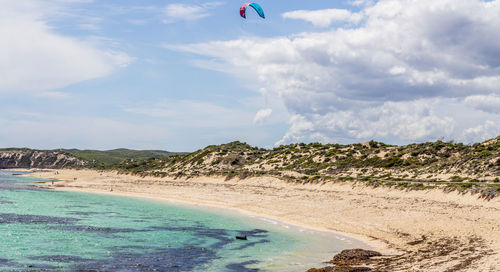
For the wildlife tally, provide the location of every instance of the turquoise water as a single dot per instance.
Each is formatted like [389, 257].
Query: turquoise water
[43, 230]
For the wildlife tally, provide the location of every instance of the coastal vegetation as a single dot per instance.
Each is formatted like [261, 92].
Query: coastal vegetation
[110, 158]
[446, 165]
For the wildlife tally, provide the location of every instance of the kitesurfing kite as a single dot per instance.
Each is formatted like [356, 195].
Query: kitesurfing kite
[254, 6]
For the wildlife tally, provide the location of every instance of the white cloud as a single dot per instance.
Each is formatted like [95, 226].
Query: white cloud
[185, 12]
[324, 17]
[119, 59]
[33, 58]
[487, 103]
[489, 129]
[402, 75]
[409, 121]
[262, 116]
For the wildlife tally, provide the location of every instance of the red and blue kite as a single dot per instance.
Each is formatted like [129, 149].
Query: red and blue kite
[255, 6]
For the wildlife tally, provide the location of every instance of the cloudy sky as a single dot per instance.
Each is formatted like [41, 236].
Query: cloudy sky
[180, 75]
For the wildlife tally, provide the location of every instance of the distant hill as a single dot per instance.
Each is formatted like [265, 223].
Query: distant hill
[107, 158]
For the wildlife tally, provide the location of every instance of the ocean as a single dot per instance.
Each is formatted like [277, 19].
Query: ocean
[45, 230]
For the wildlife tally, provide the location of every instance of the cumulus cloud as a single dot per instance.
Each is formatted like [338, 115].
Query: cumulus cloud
[36, 58]
[262, 116]
[410, 121]
[489, 129]
[324, 17]
[185, 12]
[396, 76]
[487, 103]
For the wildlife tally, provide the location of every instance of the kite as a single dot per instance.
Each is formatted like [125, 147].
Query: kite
[255, 6]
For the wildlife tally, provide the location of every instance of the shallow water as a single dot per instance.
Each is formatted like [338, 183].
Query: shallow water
[43, 230]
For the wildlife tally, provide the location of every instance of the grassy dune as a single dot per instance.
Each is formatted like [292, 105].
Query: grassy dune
[447, 165]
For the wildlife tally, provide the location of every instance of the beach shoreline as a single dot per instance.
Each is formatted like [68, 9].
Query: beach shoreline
[427, 230]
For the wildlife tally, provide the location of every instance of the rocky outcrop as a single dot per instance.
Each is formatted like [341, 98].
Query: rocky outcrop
[356, 256]
[350, 260]
[340, 269]
[37, 159]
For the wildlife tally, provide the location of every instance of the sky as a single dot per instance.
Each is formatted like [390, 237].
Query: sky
[181, 75]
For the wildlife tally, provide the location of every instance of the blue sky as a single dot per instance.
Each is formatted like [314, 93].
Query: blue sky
[180, 75]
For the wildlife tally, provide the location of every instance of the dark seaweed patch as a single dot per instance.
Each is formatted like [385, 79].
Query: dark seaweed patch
[173, 259]
[36, 267]
[132, 248]
[12, 218]
[20, 187]
[82, 213]
[241, 267]
[10, 184]
[251, 244]
[5, 263]
[73, 206]
[93, 229]
[223, 236]
[61, 259]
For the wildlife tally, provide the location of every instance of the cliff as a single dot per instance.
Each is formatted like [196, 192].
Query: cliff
[26, 158]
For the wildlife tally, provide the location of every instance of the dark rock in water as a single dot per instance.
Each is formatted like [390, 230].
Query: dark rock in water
[354, 257]
[241, 237]
[340, 269]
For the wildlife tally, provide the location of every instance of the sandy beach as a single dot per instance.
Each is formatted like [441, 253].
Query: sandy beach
[422, 230]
